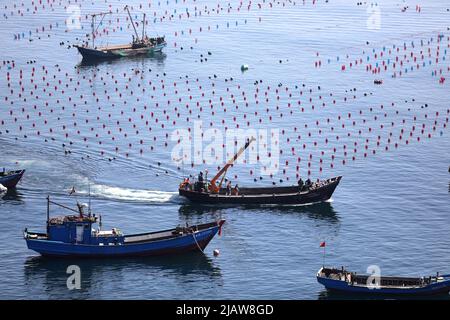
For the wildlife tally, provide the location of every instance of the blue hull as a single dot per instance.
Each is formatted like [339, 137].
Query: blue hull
[344, 287]
[174, 245]
[11, 180]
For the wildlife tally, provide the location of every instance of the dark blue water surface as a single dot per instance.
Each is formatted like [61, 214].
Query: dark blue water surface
[110, 125]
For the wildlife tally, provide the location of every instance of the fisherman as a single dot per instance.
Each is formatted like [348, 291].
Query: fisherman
[228, 192]
[308, 183]
[236, 190]
[200, 182]
[186, 184]
[4, 170]
[300, 184]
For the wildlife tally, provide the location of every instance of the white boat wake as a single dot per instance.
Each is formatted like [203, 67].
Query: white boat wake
[3, 189]
[125, 194]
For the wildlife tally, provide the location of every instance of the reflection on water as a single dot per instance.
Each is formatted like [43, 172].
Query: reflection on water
[319, 211]
[336, 295]
[49, 275]
[157, 57]
[194, 209]
[13, 196]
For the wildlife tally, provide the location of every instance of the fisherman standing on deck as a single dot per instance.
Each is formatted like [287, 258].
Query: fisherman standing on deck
[300, 184]
[201, 184]
[228, 193]
[236, 190]
[206, 180]
[308, 183]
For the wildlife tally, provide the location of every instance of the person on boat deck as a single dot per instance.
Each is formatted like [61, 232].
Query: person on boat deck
[228, 193]
[186, 183]
[300, 184]
[236, 190]
[308, 183]
[206, 180]
[201, 183]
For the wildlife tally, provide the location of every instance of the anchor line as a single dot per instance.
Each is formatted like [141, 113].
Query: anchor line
[195, 239]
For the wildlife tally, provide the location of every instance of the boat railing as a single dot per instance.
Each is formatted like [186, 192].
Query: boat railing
[34, 235]
[392, 282]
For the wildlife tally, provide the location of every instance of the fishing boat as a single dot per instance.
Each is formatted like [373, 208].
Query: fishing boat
[10, 179]
[341, 280]
[74, 236]
[143, 45]
[209, 192]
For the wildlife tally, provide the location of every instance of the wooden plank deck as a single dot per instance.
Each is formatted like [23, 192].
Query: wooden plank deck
[116, 47]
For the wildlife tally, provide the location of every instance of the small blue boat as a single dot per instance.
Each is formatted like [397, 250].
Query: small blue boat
[73, 236]
[10, 179]
[343, 281]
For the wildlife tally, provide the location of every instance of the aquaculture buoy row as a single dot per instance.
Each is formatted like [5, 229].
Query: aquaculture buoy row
[139, 116]
[398, 60]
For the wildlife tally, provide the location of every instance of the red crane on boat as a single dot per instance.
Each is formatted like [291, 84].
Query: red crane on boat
[213, 188]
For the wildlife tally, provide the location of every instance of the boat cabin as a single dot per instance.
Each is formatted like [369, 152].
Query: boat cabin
[79, 230]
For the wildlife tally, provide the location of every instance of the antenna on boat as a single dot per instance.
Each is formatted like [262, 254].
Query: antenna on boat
[89, 209]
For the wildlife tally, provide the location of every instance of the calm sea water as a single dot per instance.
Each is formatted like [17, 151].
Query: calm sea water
[110, 126]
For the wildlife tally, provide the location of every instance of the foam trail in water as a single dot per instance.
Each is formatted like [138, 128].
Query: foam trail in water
[125, 194]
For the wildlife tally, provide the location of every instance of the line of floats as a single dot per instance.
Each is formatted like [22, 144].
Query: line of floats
[74, 235]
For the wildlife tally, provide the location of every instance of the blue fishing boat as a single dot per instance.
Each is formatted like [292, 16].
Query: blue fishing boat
[74, 236]
[10, 179]
[341, 280]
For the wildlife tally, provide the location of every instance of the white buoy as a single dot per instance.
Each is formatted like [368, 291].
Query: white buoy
[216, 252]
[3, 189]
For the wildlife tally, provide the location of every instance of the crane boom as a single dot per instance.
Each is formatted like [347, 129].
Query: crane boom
[212, 186]
[132, 23]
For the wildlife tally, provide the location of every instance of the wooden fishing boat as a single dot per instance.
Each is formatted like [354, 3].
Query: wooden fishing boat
[209, 193]
[270, 195]
[10, 179]
[341, 280]
[73, 236]
[143, 45]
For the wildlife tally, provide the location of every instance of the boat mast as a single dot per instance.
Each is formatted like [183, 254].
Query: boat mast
[48, 209]
[89, 211]
[93, 32]
[143, 28]
[132, 23]
[94, 29]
